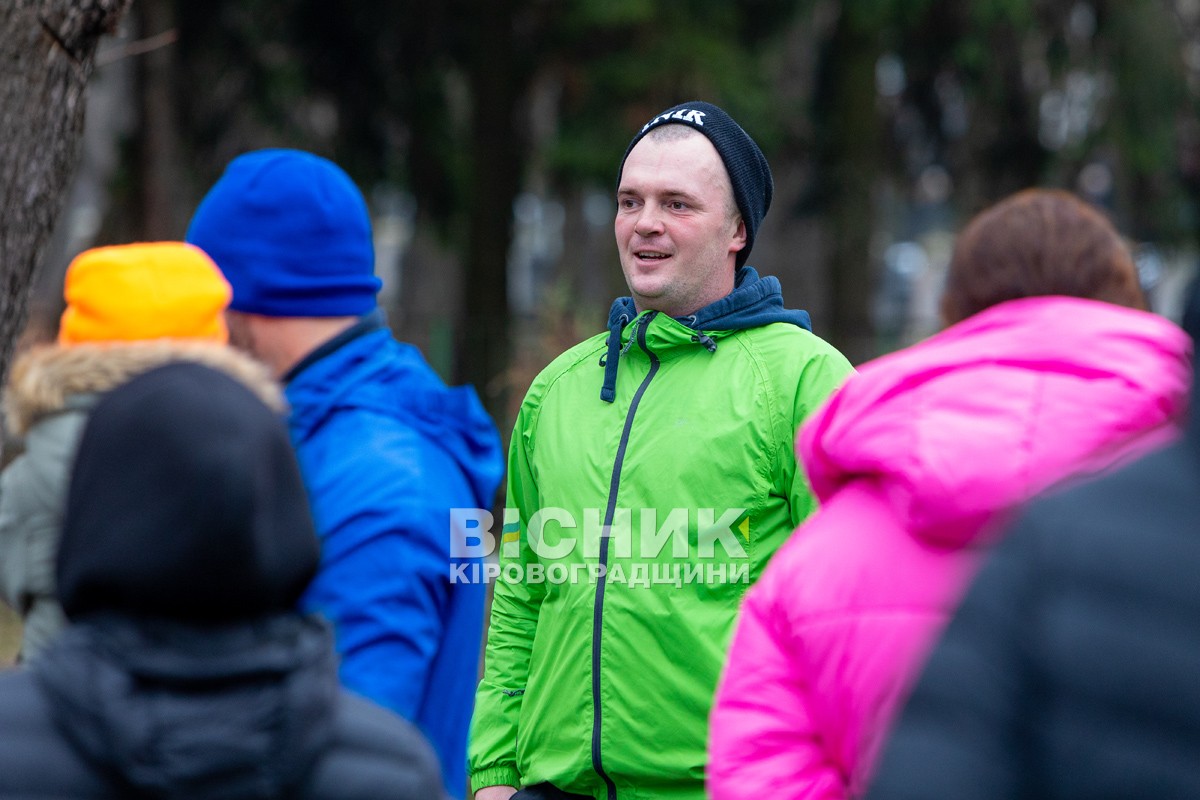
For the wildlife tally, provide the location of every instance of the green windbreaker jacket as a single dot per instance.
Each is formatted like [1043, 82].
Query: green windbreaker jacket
[604, 651]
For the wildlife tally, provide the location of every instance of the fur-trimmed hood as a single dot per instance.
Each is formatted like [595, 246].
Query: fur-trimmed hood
[43, 380]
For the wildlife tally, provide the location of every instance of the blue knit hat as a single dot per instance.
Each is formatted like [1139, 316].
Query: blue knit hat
[747, 166]
[292, 235]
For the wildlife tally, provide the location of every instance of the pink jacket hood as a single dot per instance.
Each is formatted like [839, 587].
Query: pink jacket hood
[943, 427]
[912, 459]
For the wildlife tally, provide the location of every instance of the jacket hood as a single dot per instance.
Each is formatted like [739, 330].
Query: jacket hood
[171, 711]
[450, 417]
[998, 408]
[753, 303]
[185, 502]
[46, 379]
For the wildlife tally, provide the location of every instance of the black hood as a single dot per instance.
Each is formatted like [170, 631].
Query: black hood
[186, 504]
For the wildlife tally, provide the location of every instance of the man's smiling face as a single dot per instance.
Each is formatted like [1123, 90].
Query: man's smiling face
[677, 228]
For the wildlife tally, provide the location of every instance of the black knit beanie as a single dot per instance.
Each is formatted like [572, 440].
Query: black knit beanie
[185, 503]
[745, 163]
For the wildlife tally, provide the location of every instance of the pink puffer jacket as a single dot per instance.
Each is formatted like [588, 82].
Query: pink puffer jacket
[916, 460]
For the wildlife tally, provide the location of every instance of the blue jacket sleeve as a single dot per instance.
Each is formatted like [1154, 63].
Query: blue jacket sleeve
[384, 590]
[385, 561]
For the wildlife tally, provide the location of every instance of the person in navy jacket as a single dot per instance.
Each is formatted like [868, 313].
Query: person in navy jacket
[187, 669]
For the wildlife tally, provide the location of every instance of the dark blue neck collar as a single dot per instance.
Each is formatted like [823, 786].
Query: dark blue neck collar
[753, 303]
[368, 323]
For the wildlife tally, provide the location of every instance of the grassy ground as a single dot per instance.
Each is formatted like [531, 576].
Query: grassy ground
[10, 635]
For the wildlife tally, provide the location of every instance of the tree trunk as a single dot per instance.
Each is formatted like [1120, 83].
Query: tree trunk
[852, 155]
[47, 49]
[496, 162]
[160, 176]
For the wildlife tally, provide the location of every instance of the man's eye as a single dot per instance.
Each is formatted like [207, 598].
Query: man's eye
[677, 205]
[626, 202]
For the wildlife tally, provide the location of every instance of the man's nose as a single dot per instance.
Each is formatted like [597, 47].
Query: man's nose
[649, 221]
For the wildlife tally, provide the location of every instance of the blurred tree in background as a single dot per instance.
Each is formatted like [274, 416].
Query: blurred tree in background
[486, 135]
[48, 51]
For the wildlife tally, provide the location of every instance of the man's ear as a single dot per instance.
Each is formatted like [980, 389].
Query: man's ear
[738, 242]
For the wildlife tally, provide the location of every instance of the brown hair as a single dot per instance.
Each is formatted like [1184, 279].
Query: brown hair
[1038, 242]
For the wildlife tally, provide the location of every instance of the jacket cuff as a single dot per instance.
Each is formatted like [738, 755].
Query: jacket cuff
[495, 776]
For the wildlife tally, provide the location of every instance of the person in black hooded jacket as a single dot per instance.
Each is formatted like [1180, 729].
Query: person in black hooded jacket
[186, 670]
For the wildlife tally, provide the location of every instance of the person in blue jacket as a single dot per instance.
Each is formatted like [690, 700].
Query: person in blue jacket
[386, 448]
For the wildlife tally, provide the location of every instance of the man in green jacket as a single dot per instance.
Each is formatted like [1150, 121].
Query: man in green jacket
[651, 476]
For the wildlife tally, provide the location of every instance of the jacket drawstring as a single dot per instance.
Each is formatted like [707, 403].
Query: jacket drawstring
[754, 302]
[608, 392]
[700, 336]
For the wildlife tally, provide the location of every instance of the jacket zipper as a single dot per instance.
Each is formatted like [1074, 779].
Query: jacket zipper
[609, 512]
